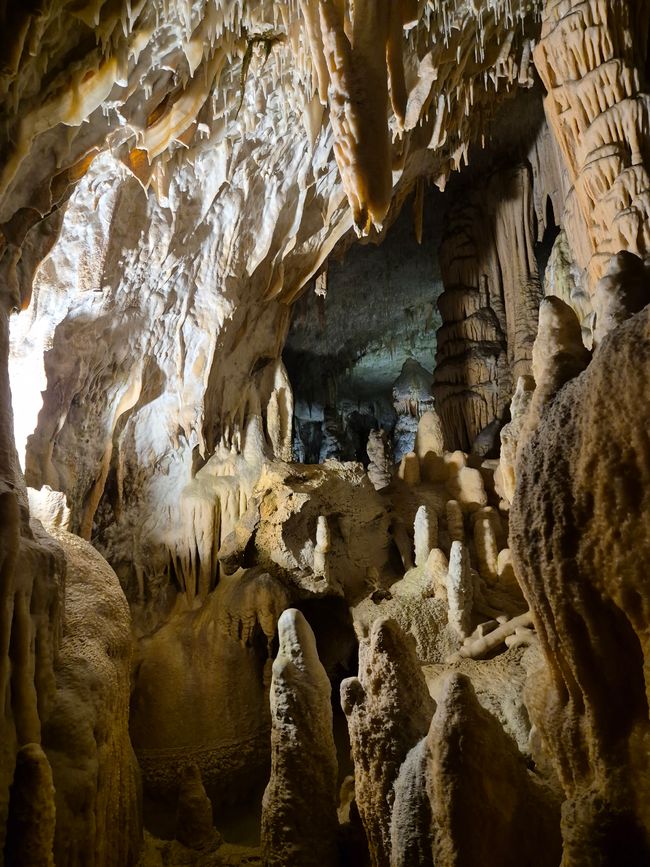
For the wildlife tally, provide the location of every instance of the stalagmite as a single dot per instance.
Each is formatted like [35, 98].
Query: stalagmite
[455, 524]
[86, 733]
[409, 469]
[558, 356]
[460, 592]
[623, 291]
[505, 569]
[467, 488]
[322, 547]
[436, 569]
[468, 772]
[429, 444]
[299, 819]
[194, 827]
[388, 709]
[485, 543]
[505, 476]
[426, 534]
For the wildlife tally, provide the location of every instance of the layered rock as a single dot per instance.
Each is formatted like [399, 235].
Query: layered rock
[489, 307]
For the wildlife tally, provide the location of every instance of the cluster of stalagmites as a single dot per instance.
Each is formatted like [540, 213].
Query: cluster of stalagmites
[423, 769]
[437, 741]
[428, 768]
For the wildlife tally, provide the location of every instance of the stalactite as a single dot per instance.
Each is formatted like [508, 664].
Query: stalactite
[590, 59]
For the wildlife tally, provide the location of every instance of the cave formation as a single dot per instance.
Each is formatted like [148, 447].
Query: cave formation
[324, 433]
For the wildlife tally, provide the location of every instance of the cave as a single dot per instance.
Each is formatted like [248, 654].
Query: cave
[361, 344]
[324, 453]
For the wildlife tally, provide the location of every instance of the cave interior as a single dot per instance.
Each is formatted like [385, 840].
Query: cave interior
[324, 451]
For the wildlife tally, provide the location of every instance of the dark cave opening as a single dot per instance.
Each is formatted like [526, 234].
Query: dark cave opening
[544, 247]
[360, 353]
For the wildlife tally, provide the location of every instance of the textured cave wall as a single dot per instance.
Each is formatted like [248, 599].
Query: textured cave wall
[577, 523]
[579, 535]
[592, 58]
[86, 732]
[31, 588]
[176, 278]
[501, 210]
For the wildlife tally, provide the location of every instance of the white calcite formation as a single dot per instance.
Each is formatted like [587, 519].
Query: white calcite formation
[460, 589]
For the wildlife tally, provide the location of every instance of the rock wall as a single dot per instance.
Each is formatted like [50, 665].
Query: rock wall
[579, 553]
[592, 60]
[86, 732]
[31, 622]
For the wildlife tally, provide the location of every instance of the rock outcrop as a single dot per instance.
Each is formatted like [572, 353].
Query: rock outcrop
[86, 732]
[215, 660]
[468, 773]
[579, 543]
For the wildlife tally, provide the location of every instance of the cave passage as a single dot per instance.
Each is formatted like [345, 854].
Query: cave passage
[361, 348]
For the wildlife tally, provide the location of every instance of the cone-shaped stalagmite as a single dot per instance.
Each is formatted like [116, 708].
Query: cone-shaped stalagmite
[299, 820]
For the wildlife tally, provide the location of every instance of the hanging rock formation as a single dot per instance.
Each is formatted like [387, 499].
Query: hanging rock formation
[591, 60]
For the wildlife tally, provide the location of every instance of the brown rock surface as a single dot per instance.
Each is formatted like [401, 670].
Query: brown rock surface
[388, 709]
[579, 541]
[86, 733]
[468, 773]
